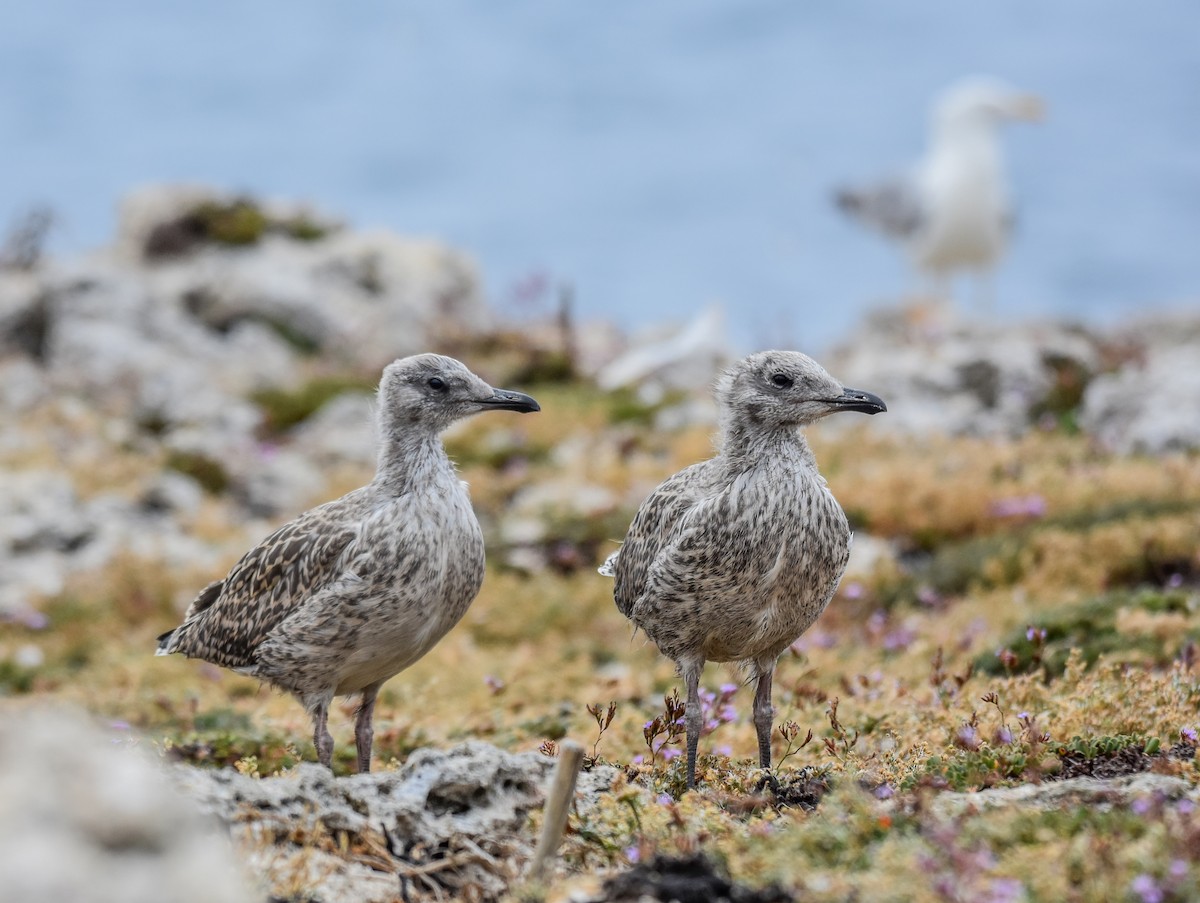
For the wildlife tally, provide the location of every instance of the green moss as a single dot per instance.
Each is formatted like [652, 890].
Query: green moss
[624, 406]
[1062, 400]
[268, 753]
[285, 408]
[1090, 627]
[209, 473]
[239, 222]
[301, 228]
[14, 679]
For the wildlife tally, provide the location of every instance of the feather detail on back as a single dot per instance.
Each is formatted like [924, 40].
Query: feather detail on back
[269, 583]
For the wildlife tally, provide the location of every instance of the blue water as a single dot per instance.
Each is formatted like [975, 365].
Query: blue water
[655, 155]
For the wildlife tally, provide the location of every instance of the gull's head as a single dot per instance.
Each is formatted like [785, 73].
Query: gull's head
[783, 389]
[432, 391]
[980, 100]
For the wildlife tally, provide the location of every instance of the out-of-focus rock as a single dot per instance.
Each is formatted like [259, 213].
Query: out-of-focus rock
[342, 431]
[458, 817]
[1152, 407]
[683, 360]
[47, 533]
[82, 818]
[964, 378]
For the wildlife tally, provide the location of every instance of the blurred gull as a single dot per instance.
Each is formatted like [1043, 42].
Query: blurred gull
[952, 211]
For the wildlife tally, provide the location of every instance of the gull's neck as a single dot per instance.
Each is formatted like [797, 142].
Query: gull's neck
[746, 443]
[410, 457]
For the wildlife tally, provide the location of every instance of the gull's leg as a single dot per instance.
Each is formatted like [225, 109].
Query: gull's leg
[693, 717]
[322, 739]
[764, 715]
[364, 732]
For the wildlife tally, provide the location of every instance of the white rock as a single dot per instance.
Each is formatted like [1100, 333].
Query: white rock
[84, 819]
[1151, 408]
[685, 360]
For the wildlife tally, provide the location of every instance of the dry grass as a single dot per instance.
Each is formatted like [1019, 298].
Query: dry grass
[1099, 551]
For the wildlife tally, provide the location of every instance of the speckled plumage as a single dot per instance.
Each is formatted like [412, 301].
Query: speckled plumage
[734, 558]
[354, 591]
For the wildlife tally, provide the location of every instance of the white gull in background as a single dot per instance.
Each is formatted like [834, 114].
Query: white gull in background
[952, 212]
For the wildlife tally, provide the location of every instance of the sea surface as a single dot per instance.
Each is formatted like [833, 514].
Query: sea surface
[654, 156]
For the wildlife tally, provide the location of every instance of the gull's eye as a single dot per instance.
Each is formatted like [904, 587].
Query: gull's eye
[436, 382]
[782, 381]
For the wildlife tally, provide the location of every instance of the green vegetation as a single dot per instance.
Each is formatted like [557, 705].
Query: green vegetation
[1079, 567]
[285, 408]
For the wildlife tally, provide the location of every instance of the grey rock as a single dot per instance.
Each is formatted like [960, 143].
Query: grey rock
[467, 807]
[82, 818]
[1154, 407]
[1107, 793]
[963, 378]
[342, 431]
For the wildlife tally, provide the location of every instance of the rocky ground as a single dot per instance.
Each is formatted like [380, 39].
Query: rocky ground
[1034, 489]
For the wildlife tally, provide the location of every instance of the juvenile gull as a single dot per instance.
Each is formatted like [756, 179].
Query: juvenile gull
[952, 212]
[731, 559]
[356, 590]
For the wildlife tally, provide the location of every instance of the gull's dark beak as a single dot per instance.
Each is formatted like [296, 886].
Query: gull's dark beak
[858, 400]
[504, 400]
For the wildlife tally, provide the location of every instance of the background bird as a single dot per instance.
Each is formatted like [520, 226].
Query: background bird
[732, 559]
[356, 590]
[952, 211]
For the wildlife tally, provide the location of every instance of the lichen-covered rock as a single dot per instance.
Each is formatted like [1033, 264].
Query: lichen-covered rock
[455, 820]
[84, 819]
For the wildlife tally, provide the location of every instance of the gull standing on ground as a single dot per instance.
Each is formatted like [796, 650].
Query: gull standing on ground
[356, 590]
[732, 559]
[952, 212]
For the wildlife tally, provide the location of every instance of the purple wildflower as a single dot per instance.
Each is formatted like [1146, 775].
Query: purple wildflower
[853, 590]
[495, 684]
[1032, 506]
[899, 639]
[884, 792]
[1005, 890]
[1147, 889]
[664, 799]
[633, 853]
[927, 595]
[670, 753]
[1188, 734]
[1175, 581]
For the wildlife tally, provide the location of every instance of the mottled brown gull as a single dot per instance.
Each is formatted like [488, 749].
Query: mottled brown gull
[952, 212]
[732, 559]
[358, 589]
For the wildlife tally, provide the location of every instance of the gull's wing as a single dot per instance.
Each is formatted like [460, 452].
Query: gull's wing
[652, 528]
[893, 207]
[231, 617]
